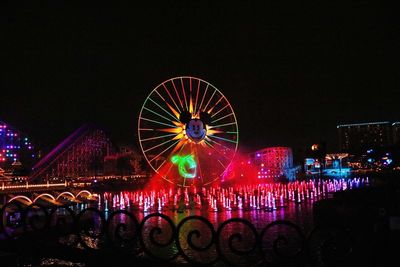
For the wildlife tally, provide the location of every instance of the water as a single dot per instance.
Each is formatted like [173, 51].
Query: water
[260, 205]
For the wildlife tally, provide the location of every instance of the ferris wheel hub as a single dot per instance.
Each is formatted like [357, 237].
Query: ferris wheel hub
[196, 130]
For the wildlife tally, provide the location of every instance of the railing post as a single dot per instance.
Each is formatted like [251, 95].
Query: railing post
[2, 186]
[27, 186]
[47, 184]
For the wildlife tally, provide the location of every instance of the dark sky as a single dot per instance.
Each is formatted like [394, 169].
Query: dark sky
[292, 73]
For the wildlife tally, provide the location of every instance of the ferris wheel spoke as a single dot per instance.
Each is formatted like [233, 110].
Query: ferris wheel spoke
[167, 172]
[163, 109]
[170, 96]
[212, 131]
[226, 116]
[205, 108]
[157, 137]
[197, 97]
[156, 113]
[212, 108]
[190, 96]
[146, 129]
[158, 93]
[202, 100]
[199, 165]
[161, 144]
[176, 130]
[216, 150]
[222, 125]
[215, 142]
[176, 91]
[219, 111]
[223, 139]
[158, 122]
[175, 114]
[159, 167]
[180, 147]
[164, 151]
[184, 94]
[223, 166]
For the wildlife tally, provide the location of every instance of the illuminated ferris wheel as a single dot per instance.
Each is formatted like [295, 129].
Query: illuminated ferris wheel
[188, 131]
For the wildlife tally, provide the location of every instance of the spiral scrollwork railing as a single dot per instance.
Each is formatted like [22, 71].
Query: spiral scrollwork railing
[192, 240]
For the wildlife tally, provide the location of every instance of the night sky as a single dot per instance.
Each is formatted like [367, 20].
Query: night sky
[291, 73]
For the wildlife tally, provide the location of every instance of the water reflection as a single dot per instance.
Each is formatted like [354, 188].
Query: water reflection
[261, 203]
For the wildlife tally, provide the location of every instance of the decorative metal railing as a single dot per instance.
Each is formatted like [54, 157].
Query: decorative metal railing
[107, 238]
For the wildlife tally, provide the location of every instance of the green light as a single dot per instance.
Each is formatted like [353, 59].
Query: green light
[185, 163]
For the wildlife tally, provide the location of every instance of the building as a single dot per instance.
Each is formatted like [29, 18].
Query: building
[274, 162]
[359, 137]
[396, 133]
[312, 166]
[15, 146]
[337, 164]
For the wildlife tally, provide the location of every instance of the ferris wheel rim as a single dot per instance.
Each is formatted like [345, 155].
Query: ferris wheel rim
[216, 90]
